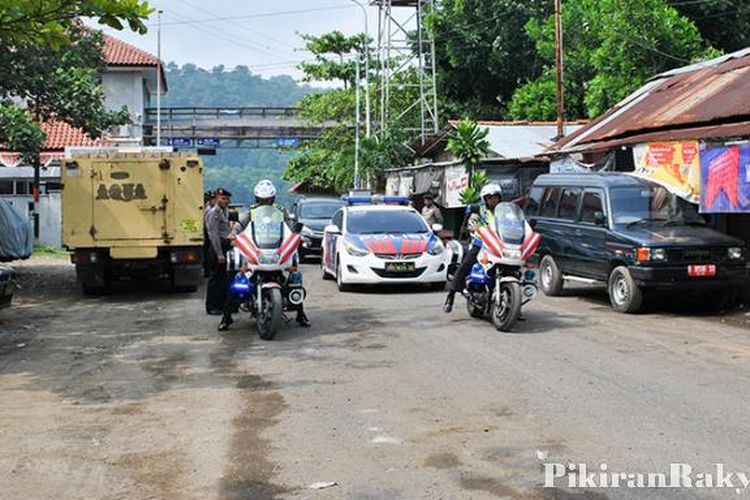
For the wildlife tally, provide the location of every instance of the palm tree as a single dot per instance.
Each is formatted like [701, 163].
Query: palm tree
[469, 143]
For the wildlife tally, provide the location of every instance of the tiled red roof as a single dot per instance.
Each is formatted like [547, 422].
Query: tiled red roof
[60, 134]
[119, 53]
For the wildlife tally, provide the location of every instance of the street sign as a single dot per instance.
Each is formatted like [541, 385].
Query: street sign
[208, 142]
[287, 142]
[177, 142]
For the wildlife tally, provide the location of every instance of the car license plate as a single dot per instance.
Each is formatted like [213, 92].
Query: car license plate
[701, 270]
[399, 267]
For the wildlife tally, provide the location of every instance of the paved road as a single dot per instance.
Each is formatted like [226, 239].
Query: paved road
[136, 396]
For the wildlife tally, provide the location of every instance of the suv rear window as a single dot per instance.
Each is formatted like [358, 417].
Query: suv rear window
[569, 203]
[549, 202]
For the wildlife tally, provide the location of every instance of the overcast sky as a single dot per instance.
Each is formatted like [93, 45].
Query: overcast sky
[260, 34]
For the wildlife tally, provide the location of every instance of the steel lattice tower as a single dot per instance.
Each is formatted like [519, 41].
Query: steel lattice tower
[399, 50]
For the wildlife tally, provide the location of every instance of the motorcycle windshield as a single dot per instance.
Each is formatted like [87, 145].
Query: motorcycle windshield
[510, 223]
[268, 227]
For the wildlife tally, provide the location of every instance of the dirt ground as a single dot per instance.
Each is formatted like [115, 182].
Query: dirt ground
[135, 395]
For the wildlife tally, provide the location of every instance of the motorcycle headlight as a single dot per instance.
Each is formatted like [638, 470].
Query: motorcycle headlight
[354, 250]
[437, 248]
[735, 253]
[511, 253]
[268, 258]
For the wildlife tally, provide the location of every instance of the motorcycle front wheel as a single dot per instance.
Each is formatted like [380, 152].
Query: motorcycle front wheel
[268, 320]
[505, 311]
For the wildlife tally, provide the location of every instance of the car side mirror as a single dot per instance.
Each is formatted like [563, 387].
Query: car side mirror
[436, 228]
[599, 218]
[298, 227]
[233, 216]
[332, 229]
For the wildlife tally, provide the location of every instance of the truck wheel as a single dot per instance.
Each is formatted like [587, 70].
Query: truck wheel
[550, 277]
[624, 294]
[102, 285]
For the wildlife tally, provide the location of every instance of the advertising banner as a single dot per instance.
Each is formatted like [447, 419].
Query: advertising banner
[725, 176]
[456, 180]
[674, 165]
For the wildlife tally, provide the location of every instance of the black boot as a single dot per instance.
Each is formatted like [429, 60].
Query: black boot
[302, 319]
[226, 322]
[448, 304]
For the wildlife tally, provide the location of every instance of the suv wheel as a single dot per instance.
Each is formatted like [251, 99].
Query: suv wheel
[624, 295]
[550, 277]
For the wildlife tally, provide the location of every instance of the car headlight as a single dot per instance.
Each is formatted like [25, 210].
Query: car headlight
[306, 231]
[354, 250]
[658, 254]
[735, 253]
[437, 248]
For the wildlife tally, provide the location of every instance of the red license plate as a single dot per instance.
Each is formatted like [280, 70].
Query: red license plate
[701, 270]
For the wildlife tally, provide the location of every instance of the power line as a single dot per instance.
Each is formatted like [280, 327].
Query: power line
[255, 16]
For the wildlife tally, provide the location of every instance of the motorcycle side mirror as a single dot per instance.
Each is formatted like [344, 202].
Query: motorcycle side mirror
[292, 217]
[532, 223]
[436, 228]
[599, 218]
[332, 229]
[298, 227]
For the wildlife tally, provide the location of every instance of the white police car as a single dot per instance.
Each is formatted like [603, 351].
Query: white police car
[369, 243]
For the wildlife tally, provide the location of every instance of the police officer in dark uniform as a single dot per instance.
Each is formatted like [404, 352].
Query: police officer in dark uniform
[217, 228]
[208, 203]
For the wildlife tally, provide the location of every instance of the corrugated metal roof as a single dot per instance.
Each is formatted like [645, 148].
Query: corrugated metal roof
[714, 92]
[522, 140]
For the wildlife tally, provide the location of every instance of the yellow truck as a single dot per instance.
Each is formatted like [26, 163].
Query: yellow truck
[133, 216]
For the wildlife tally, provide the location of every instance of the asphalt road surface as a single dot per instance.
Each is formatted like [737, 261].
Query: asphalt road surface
[136, 396]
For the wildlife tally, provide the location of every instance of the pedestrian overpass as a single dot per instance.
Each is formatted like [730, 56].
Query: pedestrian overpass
[209, 128]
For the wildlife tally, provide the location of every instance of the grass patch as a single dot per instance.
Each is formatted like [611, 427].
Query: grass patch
[45, 251]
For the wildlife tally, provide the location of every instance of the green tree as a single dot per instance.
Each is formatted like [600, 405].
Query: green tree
[333, 57]
[480, 56]
[468, 142]
[723, 23]
[328, 162]
[51, 66]
[611, 48]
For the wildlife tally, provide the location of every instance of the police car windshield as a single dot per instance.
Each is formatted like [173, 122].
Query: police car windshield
[319, 209]
[385, 222]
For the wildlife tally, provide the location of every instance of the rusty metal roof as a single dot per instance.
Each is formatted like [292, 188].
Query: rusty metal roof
[707, 98]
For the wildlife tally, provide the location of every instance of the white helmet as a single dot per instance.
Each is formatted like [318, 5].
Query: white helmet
[491, 189]
[264, 189]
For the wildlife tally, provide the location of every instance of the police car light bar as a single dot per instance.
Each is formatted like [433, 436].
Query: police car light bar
[365, 198]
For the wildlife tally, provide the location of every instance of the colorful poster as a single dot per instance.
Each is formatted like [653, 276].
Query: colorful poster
[725, 177]
[674, 165]
[456, 180]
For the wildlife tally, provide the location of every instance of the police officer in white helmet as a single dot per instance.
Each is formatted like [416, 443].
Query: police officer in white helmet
[265, 194]
[491, 195]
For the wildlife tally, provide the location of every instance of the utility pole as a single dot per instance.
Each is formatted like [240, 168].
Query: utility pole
[367, 69]
[158, 82]
[357, 126]
[559, 71]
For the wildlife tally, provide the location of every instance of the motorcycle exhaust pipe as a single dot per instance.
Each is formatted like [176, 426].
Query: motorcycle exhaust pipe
[297, 296]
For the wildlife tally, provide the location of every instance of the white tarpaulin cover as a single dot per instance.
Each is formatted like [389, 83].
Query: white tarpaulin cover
[16, 239]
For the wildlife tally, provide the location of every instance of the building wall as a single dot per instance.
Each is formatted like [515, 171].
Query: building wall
[125, 88]
[50, 216]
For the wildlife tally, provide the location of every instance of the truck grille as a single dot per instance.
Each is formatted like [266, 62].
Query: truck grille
[390, 274]
[711, 255]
